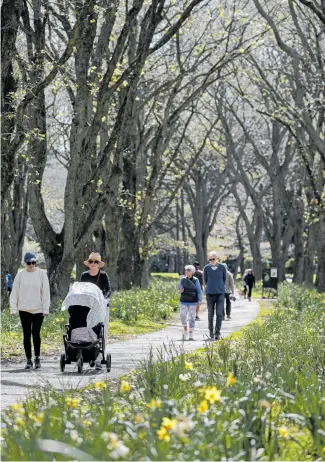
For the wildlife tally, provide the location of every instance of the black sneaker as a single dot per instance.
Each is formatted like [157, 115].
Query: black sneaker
[37, 362]
[228, 318]
[29, 364]
[211, 336]
[197, 318]
[217, 337]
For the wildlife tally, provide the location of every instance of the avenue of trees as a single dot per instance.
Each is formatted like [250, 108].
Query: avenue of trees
[162, 111]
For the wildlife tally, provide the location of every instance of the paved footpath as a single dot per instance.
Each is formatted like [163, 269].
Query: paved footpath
[15, 381]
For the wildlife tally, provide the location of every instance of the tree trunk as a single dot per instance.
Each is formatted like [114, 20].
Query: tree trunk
[309, 264]
[320, 271]
[298, 274]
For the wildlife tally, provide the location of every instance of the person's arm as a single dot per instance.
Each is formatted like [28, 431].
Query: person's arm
[205, 276]
[232, 284]
[199, 291]
[14, 295]
[107, 287]
[181, 288]
[45, 293]
[224, 275]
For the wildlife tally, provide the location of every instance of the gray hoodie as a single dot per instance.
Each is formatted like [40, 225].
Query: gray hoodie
[229, 287]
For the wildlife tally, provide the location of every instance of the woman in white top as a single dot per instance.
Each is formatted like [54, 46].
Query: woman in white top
[31, 297]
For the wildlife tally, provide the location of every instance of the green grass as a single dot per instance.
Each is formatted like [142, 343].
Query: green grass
[132, 312]
[257, 396]
[166, 275]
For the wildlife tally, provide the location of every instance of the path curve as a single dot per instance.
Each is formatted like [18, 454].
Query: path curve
[15, 381]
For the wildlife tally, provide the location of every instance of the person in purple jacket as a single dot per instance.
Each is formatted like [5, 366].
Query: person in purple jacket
[191, 296]
[214, 278]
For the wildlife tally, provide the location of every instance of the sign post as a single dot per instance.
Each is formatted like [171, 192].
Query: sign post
[270, 282]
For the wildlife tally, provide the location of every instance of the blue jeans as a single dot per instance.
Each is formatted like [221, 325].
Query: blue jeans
[216, 303]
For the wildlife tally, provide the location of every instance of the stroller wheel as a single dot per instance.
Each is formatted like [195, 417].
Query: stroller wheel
[108, 362]
[62, 362]
[79, 365]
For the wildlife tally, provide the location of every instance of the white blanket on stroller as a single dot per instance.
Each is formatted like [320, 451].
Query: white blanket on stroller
[88, 294]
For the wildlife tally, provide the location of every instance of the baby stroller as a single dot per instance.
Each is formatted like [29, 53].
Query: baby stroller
[86, 330]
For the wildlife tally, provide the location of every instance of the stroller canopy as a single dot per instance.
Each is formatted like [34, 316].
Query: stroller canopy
[87, 294]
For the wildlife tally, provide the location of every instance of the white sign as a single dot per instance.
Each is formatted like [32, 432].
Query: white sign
[274, 272]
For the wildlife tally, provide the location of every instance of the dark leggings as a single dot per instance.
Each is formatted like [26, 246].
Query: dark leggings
[249, 289]
[31, 324]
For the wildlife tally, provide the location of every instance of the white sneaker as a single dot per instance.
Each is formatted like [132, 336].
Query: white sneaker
[185, 335]
[191, 336]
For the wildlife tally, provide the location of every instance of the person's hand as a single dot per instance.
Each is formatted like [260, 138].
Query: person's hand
[181, 290]
[45, 314]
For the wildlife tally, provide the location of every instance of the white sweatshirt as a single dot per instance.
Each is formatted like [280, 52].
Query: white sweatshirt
[30, 292]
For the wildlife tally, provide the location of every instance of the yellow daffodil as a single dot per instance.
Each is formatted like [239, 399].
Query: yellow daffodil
[324, 449]
[154, 404]
[230, 380]
[168, 423]
[39, 418]
[212, 394]
[203, 406]
[100, 386]
[125, 387]
[188, 365]
[16, 406]
[87, 423]
[163, 434]
[284, 432]
[138, 418]
[72, 402]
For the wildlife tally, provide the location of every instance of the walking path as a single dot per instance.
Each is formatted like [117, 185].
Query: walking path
[15, 381]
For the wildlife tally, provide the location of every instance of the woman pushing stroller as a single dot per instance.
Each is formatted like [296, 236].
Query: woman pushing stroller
[100, 278]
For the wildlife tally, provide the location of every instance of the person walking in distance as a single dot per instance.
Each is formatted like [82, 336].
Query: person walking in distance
[249, 279]
[9, 282]
[31, 297]
[191, 295]
[198, 274]
[230, 290]
[214, 278]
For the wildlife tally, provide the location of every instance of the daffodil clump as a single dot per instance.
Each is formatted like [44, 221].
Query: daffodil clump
[260, 397]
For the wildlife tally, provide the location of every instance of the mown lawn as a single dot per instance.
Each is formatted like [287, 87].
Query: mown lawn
[132, 312]
[257, 396]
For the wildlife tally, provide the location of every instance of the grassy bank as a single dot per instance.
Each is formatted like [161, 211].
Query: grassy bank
[133, 312]
[260, 396]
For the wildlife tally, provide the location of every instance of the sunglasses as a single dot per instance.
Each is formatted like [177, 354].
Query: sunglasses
[95, 262]
[31, 263]
[211, 259]
[188, 270]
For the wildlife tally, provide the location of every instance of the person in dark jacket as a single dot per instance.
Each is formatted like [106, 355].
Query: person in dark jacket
[100, 278]
[191, 295]
[214, 278]
[198, 274]
[249, 280]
